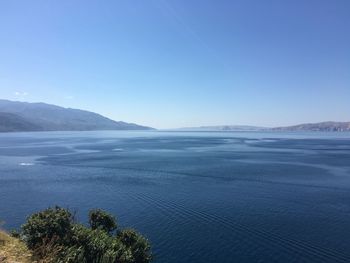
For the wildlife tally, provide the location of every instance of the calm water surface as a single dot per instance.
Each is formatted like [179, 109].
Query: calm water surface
[198, 197]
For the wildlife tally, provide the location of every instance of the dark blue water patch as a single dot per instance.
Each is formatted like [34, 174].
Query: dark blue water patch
[307, 144]
[36, 151]
[198, 198]
[163, 143]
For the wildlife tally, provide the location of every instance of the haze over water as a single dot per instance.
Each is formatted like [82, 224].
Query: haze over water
[198, 197]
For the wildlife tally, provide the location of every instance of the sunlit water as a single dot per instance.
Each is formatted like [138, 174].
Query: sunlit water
[198, 197]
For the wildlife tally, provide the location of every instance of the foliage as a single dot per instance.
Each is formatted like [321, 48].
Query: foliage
[54, 236]
[99, 219]
[138, 245]
[95, 245]
[51, 223]
[14, 233]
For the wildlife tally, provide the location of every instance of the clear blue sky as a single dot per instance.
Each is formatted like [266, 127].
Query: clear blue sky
[175, 63]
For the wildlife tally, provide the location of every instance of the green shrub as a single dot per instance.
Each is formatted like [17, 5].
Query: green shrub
[54, 237]
[14, 233]
[52, 223]
[138, 245]
[95, 245]
[99, 219]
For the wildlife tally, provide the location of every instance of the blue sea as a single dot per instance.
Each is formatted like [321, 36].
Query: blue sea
[197, 196]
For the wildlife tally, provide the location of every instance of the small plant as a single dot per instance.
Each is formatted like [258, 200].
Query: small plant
[14, 233]
[99, 219]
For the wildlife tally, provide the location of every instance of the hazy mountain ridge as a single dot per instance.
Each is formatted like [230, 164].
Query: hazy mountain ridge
[224, 128]
[24, 116]
[321, 126]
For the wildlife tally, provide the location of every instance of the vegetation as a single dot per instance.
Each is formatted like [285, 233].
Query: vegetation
[99, 219]
[54, 236]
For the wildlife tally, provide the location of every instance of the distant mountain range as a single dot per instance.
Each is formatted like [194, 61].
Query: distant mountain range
[321, 126]
[224, 128]
[24, 116]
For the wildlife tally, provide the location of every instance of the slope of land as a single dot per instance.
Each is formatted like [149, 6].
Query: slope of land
[24, 116]
[12, 250]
